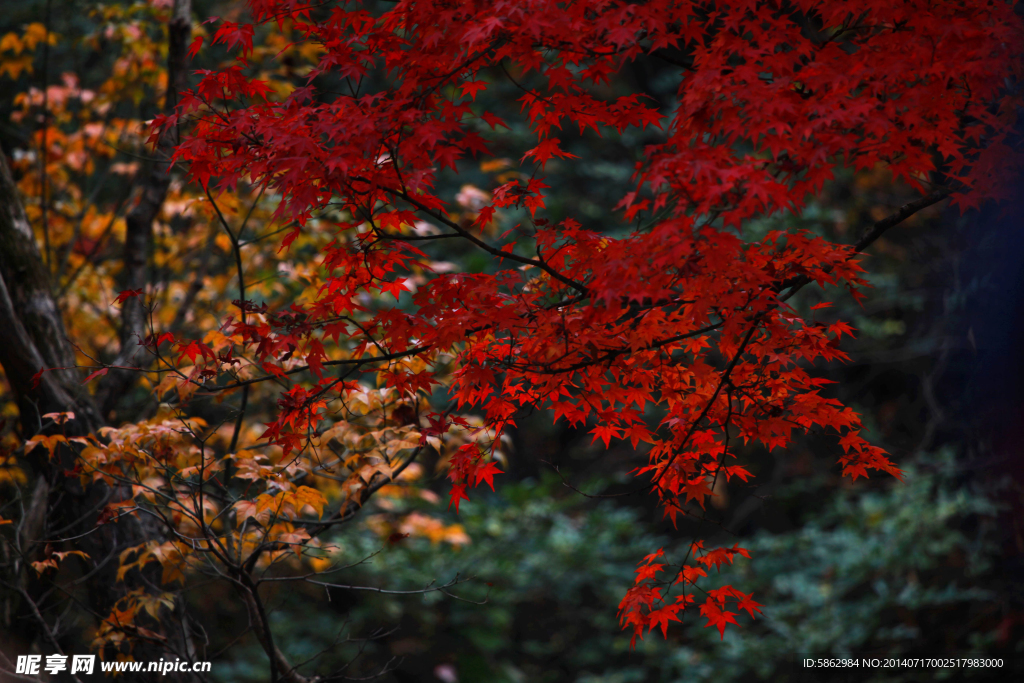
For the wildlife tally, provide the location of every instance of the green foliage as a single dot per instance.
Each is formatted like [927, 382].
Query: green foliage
[880, 571]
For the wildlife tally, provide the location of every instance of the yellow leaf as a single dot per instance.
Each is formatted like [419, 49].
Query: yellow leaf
[244, 509]
[265, 501]
[80, 553]
[14, 67]
[42, 566]
[170, 381]
[35, 33]
[186, 388]
[14, 475]
[124, 569]
[410, 440]
[49, 442]
[311, 497]
[320, 564]
[296, 539]
[11, 42]
[128, 551]
[172, 559]
[223, 242]
[216, 340]
[52, 561]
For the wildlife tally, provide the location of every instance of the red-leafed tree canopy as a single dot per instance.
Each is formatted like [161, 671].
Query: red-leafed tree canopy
[663, 324]
[667, 329]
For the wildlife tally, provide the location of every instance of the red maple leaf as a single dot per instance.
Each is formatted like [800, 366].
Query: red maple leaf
[94, 375]
[717, 617]
[547, 149]
[661, 617]
[457, 494]
[746, 602]
[486, 473]
[127, 294]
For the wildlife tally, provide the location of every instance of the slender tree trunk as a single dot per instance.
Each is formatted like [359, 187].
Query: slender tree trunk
[154, 180]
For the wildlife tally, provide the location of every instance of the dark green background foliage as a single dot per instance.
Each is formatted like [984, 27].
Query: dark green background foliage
[882, 572]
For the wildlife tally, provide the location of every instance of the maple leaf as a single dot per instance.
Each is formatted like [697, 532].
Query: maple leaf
[194, 47]
[660, 552]
[720, 556]
[485, 473]
[492, 120]
[690, 574]
[855, 470]
[48, 442]
[717, 617]
[94, 375]
[395, 288]
[315, 357]
[840, 328]
[156, 340]
[605, 433]
[127, 294]
[547, 149]
[721, 594]
[647, 572]
[194, 349]
[746, 602]
[457, 493]
[850, 440]
[661, 617]
[471, 88]
[274, 370]
[244, 509]
[235, 35]
[305, 495]
[731, 471]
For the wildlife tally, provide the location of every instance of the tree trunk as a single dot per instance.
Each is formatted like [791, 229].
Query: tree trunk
[32, 335]
[39, 363]
[154, 180]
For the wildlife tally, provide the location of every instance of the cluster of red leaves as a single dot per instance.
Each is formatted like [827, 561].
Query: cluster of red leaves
[646, 604]
[681, 314]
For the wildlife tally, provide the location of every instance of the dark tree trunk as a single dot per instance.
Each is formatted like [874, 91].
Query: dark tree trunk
[32, 335]
[39, 364]
[154, 180]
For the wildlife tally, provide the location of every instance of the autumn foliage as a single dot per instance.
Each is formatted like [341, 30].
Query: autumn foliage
[667, 328]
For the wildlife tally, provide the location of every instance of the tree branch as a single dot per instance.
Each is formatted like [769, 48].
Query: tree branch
[872, 234]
